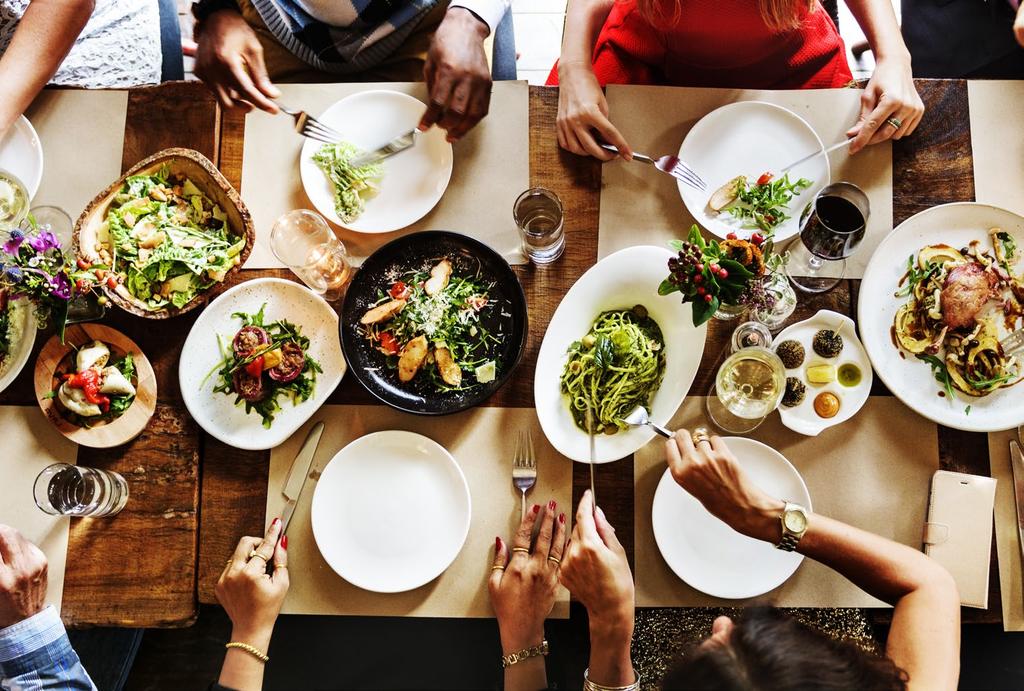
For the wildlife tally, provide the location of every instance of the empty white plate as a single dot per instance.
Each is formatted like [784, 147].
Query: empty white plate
[750, 138]
[711, 556]
[414, 180]
[391, 511]
[22, 154]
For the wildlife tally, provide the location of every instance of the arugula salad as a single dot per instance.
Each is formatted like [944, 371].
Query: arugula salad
[166, 241]
[352, 186]
[265, 362]
[761, 204]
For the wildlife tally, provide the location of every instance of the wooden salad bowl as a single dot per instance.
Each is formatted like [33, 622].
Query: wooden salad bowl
[105, 434]
[210, 182]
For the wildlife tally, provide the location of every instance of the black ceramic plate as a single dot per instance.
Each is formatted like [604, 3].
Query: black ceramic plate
[507, 319]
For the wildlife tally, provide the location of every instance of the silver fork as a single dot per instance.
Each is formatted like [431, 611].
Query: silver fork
[1014, 343]
[671, 165]
[524, 465]
[310, 127]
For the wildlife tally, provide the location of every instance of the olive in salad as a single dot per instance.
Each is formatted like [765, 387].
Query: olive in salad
[263, 363]
[165, 240]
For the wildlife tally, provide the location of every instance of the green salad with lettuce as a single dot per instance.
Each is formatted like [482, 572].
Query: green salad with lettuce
[166, 240]
[352, 186]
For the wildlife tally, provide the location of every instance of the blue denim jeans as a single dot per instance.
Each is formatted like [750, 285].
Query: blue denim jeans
[173, 67]
[503, 59]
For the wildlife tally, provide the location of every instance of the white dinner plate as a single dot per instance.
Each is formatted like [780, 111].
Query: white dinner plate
[624, 279]
[22, 348]
[414, 180]
[907, 377]
[802, 418]
[708, 554]
[391, 511]
[750, 138]
[22, 154]
[216, 412]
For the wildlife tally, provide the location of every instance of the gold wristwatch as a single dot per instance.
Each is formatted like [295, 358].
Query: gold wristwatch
[794, 525]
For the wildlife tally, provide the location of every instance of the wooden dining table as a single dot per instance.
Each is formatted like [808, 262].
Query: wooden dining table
[193, 497]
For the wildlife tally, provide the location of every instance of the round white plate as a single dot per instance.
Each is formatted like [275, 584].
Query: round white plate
[624, 279]
[750, 138]
[802, 418]
[391, 511]
[414, 180]
[22, 154]
[907, 377]
[216, 412]
[23, 348]
[711, 556]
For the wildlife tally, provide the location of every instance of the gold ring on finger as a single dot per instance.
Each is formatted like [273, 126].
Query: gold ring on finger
[895, 122]
[521, 550]
[280, 566]
[700, 434]
[230, 562]
[556, 560]
[255, 554]
[497, 568]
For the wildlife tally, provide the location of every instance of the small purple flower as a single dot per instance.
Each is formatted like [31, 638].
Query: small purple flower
[13, 243]
[61, 286]
[44, 240]
[13, 274]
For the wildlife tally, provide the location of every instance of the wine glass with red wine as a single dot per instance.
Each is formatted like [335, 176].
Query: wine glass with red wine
[831, 228]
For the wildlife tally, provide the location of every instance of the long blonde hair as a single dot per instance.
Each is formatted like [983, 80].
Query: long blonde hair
[780, 15]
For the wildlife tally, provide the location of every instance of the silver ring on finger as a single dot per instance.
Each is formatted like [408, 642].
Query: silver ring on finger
[894, 122]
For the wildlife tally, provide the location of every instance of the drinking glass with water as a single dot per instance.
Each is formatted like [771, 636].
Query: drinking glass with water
[63, 489]
[304, 243]
[538, 214]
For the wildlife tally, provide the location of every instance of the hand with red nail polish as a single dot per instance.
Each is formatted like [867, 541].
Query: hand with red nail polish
[523, 586]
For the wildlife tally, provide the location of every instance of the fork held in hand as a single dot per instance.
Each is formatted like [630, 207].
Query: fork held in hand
[310, 127]
[671, 165]
[524, 465]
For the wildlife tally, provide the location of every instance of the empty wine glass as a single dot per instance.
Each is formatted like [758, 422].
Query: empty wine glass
[832, 227]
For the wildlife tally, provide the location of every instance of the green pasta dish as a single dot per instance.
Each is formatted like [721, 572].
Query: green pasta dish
[352, 186]
[617, 366]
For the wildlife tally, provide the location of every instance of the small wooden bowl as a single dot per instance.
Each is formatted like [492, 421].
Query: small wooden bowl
[103, 435]
[210, 182]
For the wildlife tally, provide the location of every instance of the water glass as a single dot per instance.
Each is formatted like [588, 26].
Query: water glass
[63, 489]
[831, 228]
[57, 221]
[748, 387]
[304, 243]
[538, 214]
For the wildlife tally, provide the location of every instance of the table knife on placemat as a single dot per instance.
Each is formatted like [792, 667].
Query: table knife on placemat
[1017, 466]
[298, 474]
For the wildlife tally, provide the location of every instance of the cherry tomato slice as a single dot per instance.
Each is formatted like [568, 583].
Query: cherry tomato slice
[399, 291]
[388, 343]
[764, 179]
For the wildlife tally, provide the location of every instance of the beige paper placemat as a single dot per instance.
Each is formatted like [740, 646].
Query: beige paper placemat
[82, 133]
[1007, 539]
[639, 206]
[491, 168]
[873, 472]
[30, 444]
[996, 144]
[481, 441]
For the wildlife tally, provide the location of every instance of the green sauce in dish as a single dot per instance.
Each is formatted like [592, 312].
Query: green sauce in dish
[849, 375]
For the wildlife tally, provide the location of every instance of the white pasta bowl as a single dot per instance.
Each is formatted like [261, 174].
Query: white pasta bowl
[620, 281]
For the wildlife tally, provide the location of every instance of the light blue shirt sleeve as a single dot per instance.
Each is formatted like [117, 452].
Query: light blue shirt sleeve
[36, 655]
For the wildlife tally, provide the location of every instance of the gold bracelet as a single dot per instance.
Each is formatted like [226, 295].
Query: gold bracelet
[593, 686]
[526, 654]
[252, 650]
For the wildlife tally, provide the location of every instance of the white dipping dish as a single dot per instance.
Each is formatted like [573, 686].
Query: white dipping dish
[802, 418]
[708, 554]
[750, 138]
[620, 281]
[24, 324]
[391, 511]
[908, 378]
[414, 180]
[216, 412]
[22, 154]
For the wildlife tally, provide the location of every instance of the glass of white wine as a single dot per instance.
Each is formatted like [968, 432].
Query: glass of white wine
[13, 201]
[748, 387]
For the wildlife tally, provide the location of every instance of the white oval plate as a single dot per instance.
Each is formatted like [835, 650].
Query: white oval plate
[22, 349]
[216, 412]
[708, 554]
[22, 154]
[624, 279]
[391, 511]
[750, 138]
[802, 418]
[414, 180]
[908, 378]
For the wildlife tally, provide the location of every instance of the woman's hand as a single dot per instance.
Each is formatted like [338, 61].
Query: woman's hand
[229, 58]
[251, 596]
[890, 93]
[523, 590]
[582, 108]
[711, 474]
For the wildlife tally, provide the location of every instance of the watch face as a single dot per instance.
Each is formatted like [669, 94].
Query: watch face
[795, 521]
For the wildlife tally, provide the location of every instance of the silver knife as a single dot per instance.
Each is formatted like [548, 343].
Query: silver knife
[396, 145]
[299, 473]
[1017, 465]
[819, 152]
[593, 454]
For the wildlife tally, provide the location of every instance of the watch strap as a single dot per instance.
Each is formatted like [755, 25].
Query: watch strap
[790, 539]
[789, 542]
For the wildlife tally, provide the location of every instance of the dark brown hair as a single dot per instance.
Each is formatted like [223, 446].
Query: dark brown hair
[768, 650]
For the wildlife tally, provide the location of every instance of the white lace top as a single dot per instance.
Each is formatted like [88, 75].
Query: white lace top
[119, 47]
